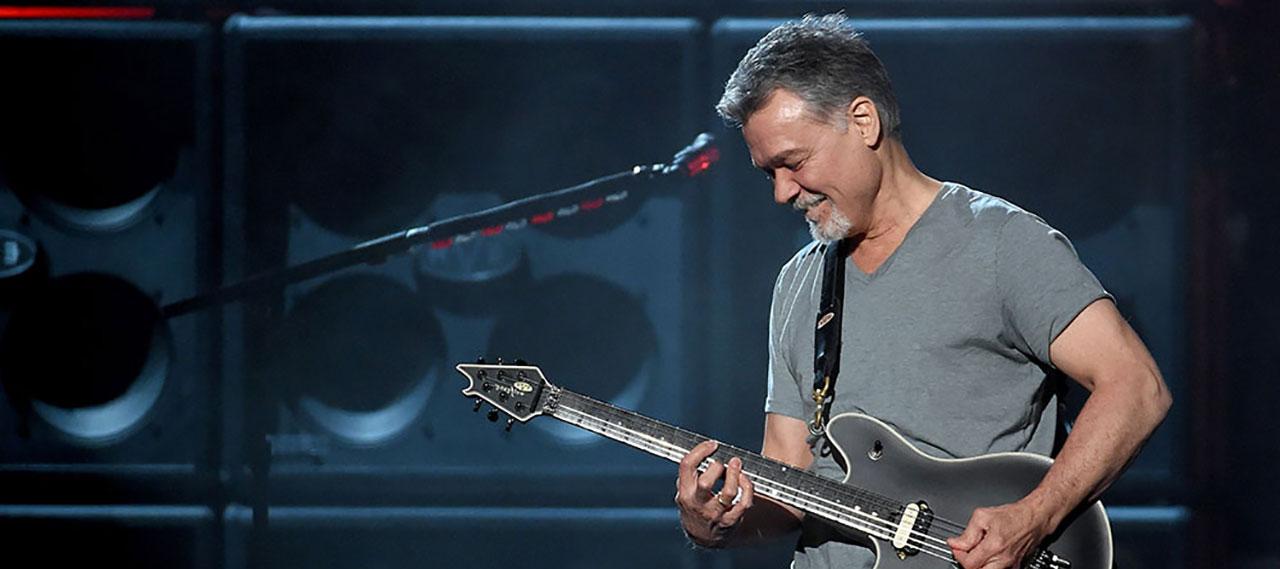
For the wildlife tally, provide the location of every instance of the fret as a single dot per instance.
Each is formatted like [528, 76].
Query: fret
[774, 479]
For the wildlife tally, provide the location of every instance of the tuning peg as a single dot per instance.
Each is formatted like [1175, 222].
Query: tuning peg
[480, 360]
[492, 415]
[521, 363]
[499, 361]
[509, 423]
[477, 407]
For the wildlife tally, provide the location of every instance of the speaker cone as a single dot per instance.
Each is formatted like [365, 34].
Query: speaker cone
[90, 353]
[357, 356]
[93, 129]
[587, 334]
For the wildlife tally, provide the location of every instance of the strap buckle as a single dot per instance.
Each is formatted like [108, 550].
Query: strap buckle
[821, 400]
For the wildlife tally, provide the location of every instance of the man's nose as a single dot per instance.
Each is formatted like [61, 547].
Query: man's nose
[785, 188]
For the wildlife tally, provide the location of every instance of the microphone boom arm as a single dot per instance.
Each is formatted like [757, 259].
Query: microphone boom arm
[377, 250]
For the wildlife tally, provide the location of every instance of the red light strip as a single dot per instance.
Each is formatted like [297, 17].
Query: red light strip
[76, 12]
[536, 219]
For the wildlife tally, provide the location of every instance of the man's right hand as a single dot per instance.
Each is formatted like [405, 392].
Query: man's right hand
[710, 517]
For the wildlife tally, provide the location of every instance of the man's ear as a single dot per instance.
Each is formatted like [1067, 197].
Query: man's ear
[864, 119]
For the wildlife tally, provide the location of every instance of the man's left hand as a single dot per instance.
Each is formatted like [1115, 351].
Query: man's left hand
[1000, 537]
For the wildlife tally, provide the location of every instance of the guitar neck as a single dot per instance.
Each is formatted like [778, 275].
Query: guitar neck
[822, 497]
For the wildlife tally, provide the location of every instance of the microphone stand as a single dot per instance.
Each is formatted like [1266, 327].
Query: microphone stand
[692, 160]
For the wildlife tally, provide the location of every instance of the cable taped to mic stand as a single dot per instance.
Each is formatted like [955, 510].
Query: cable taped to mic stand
[691, 161]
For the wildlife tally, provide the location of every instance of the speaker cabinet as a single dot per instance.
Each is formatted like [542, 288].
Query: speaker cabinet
[1150, 537]
[344, 129]
[131, 536]
[105, 216]
[1081, 120]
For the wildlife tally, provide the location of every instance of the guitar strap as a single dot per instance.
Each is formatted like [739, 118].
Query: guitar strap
[826, 337]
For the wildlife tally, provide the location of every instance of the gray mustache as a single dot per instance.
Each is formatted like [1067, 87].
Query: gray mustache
[804, 205]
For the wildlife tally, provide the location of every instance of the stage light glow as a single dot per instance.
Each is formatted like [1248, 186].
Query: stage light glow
[77, 12]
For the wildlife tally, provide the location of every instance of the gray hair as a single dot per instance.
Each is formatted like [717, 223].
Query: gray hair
[821, 59]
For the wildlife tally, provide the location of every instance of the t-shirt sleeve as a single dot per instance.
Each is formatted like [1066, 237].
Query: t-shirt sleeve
[1042, 283]
[784, 396]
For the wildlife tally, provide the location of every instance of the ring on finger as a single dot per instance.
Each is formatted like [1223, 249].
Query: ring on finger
[720, 500]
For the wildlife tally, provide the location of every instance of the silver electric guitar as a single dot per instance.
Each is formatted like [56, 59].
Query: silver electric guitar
[905, 503]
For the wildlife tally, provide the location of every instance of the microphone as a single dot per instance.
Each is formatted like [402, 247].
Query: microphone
[695, 158]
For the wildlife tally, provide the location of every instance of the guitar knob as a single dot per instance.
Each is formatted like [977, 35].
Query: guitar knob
[492, 415]
[509, 423]
[477, 407]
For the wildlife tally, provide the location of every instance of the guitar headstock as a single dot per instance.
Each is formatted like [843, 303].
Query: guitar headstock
[515, 389]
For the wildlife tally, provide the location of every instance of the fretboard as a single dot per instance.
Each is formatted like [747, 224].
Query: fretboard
[828, 499]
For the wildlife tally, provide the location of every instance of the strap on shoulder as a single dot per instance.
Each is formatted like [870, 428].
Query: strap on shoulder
[826, 337]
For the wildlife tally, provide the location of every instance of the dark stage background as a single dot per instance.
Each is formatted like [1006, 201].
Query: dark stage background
[151, 154]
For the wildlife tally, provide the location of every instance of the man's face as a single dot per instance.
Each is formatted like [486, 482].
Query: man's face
[826, 171]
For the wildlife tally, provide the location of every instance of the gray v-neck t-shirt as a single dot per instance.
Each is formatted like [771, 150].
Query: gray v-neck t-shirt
[947, 341]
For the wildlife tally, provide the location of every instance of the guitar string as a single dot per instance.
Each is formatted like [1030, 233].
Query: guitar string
[917, 543]
[831, 510]
[675, 452]
[828, 485]
[834, 509]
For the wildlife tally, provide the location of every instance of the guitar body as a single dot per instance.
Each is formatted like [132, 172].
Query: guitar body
[878, 459]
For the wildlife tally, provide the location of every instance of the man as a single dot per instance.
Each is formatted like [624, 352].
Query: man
[958, 306]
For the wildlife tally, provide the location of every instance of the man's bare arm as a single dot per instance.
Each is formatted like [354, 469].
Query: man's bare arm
[1129, 399]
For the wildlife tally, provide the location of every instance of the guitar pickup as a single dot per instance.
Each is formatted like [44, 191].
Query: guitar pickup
[913, 520]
